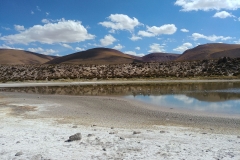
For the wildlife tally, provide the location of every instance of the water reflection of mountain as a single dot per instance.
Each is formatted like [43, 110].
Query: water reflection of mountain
[201, 91]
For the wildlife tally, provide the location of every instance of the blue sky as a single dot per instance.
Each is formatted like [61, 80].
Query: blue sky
[136, 27]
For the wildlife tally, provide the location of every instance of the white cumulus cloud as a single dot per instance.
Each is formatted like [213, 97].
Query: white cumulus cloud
[64, 31]
[237, 42]
[184, 30]
[145, 34]
[155, 31]
[197, 36]
[223, 14]
[165, 29]
[66, 46]
[107, 40]
[4, 46]
[45, 21]
[42, 51]
[156, 48]
[135, 38]
[118, 47]
[54, 21]
[19, 27]
[206, 5]
[137, 48]
[121, 22]
[79, 49]
[183, 47]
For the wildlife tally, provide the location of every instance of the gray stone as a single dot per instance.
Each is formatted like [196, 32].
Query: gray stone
[19, 154]
[136, 132]
[74, 137]
[122, 138]
[90, 135]
[115, 132]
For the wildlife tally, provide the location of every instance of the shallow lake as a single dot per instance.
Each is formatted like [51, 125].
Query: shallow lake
[209, 97]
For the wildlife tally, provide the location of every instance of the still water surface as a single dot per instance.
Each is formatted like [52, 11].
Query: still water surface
[202, 97]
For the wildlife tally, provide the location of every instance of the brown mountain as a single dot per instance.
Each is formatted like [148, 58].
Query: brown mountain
[233, 53]
[211, 51]
[95, 56]
[13, 57]
[159, 57]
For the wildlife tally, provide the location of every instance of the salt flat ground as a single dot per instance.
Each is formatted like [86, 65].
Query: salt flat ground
[37, 126]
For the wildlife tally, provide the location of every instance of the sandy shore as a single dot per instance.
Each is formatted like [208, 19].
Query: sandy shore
[36, 127]
[121, 81]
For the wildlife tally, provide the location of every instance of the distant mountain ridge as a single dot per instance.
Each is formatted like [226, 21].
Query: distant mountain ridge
[211, 51]
[159, 57]
[101, 56]
[110, 56]
[14, 57]
[95, 56]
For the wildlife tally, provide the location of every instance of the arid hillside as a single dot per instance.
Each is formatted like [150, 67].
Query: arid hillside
[106, 56]
[95, 56]
[160, 57]
[211, 51]
[232, 53]
[14, 57]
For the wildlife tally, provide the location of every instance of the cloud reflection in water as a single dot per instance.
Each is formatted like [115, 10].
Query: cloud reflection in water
[185, 102]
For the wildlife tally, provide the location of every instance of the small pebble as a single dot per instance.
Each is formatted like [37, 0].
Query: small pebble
[90, 135]
[74, 137]
[19, 154]
[136, 132]
[122, 138]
